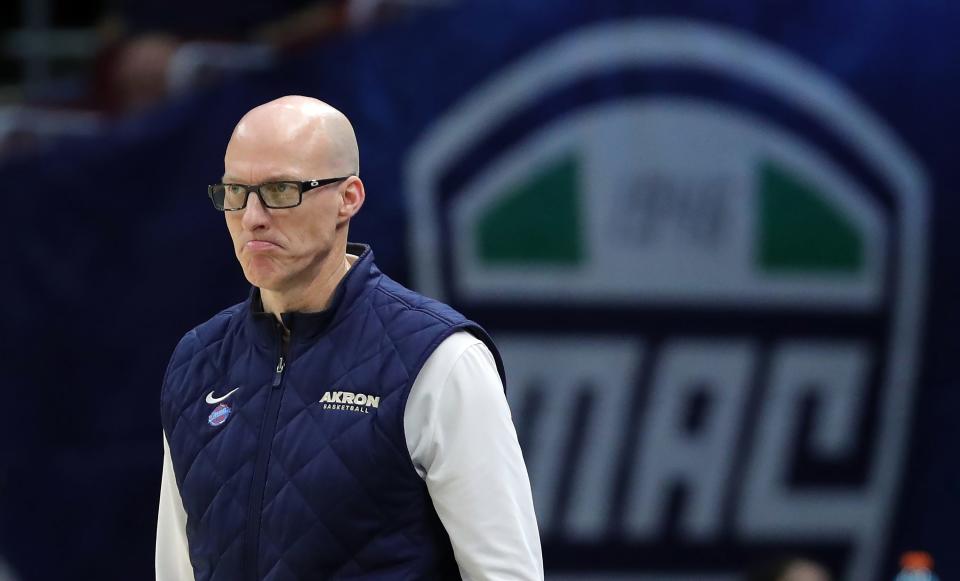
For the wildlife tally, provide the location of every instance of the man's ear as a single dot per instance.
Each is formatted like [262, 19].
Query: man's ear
[351, 199]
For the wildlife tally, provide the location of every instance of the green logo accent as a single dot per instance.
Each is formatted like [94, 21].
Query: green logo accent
[538, 221]
[800, 230]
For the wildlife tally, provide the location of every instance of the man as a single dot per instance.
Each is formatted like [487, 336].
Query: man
[335, 424]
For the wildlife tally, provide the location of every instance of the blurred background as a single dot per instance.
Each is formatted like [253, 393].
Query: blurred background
[715, 241]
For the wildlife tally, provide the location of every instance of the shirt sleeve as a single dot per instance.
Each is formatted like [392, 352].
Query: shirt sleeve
[463, 444]
[173, 557]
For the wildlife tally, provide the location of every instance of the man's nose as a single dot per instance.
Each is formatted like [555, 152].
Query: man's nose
[255, 215]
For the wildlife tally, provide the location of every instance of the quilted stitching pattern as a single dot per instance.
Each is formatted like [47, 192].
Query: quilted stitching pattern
[299, 480]
[341, 499]
[215, 465]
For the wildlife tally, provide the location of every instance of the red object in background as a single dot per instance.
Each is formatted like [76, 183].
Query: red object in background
[916, 560]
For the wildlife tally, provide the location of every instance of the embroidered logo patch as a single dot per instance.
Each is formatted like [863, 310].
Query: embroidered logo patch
[210, 399]
[219, 415]
[349, 401]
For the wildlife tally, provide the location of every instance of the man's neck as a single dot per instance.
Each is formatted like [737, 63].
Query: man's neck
[312, 297]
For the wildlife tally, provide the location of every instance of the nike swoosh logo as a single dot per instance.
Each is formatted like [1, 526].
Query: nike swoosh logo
[215, 400]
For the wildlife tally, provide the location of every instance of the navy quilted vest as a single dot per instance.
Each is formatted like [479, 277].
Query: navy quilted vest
[303, 472]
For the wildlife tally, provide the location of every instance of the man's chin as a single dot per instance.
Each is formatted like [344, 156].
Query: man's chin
[266, 279]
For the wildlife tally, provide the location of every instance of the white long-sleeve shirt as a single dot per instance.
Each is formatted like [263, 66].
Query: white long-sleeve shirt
[462, 441]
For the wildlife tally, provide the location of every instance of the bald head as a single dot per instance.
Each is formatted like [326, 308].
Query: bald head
[294, 136]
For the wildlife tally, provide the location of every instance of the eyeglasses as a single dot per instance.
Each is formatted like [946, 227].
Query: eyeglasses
[232, 197]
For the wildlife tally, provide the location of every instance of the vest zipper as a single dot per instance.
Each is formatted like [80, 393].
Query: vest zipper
[278, 375]
[264, 442]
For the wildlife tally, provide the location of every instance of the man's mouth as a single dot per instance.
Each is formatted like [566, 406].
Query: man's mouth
[257, 245]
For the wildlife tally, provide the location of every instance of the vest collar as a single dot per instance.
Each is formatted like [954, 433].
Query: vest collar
[359, 280]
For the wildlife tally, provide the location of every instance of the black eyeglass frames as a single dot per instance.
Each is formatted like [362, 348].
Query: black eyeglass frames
[275, 195]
